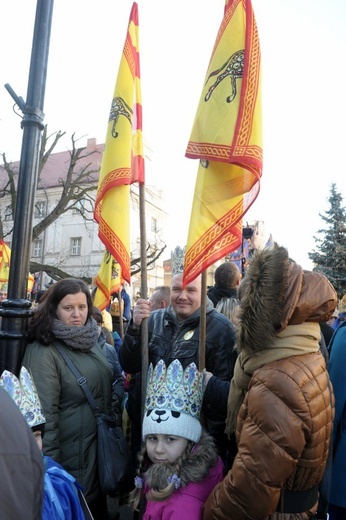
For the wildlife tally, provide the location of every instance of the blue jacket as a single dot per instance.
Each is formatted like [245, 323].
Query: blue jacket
[337, 371]
[118, 379]
[61, 494]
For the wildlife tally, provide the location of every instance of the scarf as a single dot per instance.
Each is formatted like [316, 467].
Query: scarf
[81, 338]
[294, 340]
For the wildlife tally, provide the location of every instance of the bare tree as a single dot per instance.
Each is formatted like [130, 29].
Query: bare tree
[154, 251]
[78, 183]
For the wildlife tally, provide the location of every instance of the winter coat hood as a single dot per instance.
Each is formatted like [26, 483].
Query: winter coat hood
[200, 472]
[277, 292]
[195, 467]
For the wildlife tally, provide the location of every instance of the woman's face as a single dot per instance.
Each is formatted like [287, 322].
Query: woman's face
[73, 309]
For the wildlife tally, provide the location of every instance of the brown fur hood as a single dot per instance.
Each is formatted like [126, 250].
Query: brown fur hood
[194, 468]
[277, 292]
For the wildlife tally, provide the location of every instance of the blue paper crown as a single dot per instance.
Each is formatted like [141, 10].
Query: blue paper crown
[178, 258]
[24, 393]
[172, 388]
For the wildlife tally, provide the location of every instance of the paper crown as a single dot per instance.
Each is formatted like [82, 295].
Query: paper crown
[179, 393]
[342, 304]
[24, 394]
[178, 258]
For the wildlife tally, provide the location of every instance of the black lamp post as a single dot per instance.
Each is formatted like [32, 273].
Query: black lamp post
[16, 310]
[247, 234]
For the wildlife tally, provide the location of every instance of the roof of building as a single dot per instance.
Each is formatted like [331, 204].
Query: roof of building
[56, 167]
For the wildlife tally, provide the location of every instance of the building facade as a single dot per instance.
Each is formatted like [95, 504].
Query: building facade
[70, 243]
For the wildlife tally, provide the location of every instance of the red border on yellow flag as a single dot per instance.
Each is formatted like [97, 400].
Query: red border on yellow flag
[227, 139]
[123, 157]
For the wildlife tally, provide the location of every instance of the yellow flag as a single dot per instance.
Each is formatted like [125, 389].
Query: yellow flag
[123, 158]
[5, 259]
[227, 139]
[108, 281]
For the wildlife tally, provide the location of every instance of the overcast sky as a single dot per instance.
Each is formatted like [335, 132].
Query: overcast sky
[303, 47]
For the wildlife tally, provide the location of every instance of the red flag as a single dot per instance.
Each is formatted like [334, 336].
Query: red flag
[227, 139]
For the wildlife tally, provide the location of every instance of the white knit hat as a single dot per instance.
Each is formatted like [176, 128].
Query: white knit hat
[173, 401]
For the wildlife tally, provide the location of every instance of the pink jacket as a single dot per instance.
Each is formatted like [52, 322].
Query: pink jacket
[186, 502]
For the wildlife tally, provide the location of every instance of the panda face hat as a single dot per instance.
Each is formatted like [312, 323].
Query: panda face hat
[173, 401]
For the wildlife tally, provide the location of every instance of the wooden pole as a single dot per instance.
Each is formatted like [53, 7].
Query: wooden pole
[202, 325]
[144, 294]
[121, 322]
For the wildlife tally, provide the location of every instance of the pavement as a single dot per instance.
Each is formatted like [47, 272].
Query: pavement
[118, 512]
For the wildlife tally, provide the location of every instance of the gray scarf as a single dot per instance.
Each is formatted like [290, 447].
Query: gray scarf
[78, 338]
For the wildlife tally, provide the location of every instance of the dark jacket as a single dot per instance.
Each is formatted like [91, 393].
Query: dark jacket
[21, 466]
[70, 432]
[215, 294]
[337, 371]
[118, 379]
[327, 332]
[168, 340]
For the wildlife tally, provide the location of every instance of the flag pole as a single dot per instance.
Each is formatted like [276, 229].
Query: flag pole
[144, 294]
[121, 323]
[203, 324]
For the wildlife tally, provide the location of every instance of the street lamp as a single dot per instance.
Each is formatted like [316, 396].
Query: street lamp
[16, 310]
[247, 234]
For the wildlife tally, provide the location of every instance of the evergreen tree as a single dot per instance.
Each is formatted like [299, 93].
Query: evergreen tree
[330, 257]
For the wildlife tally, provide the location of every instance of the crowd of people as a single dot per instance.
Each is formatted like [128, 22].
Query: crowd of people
[242, 420]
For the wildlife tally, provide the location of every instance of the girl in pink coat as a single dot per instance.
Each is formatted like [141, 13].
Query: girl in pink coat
[179, 465]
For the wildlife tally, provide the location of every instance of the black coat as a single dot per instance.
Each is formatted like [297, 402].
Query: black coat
[215, 294]
[169, 339]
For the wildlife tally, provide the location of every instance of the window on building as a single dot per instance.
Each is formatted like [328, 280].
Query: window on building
[79, 206]
[153, 224]
[40, 209]
[37, 249]
[8, 213]
[76, 244]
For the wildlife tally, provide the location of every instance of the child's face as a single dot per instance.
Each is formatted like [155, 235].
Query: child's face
[38, 438]
[165, 448]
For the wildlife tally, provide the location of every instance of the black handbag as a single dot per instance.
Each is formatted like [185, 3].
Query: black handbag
[114, 455]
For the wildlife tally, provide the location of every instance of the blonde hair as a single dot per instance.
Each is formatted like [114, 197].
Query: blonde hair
[156, 495]
[230, 308]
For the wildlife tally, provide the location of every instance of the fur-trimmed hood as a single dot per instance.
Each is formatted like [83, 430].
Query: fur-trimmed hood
[277, 292]
[194, 468]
